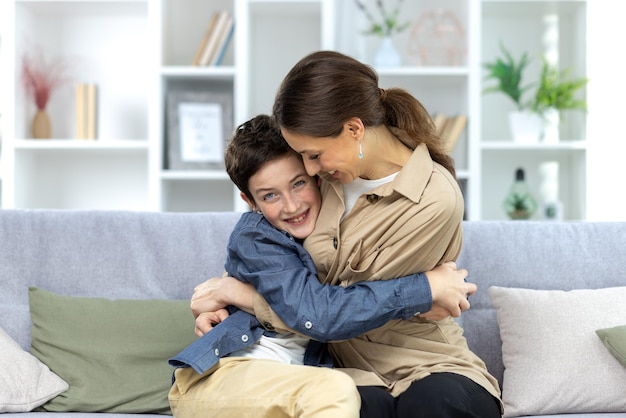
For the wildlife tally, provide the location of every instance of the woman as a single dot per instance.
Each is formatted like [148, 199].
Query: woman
[390, 206]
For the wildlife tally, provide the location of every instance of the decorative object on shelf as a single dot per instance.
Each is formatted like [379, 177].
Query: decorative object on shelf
[86, 110]
[199, 125]
[437, 38]
[384, 26]
[519, 202]
[40, 78]
[554, 93]
[551, 207]
[526, 126]
[387, 55]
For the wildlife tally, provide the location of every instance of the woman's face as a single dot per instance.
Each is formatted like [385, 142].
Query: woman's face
[337, 156]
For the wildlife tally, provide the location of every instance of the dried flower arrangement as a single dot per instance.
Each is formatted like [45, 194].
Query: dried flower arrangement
[40, 77]
[387, 24]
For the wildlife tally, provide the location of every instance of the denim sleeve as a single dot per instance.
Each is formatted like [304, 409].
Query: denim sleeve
[288, 282]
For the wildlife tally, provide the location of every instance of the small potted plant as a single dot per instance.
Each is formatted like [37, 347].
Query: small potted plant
[538, 116]
[526, 125]
[556, 92]
[384, 26]
[40, 79]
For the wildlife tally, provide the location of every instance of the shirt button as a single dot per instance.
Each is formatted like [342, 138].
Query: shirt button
[217, 352]
[372, 198]
[268, 325]
[244, 338]
[308, 325]
[335, 242]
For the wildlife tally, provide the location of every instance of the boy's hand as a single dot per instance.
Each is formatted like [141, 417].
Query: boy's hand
[206, 321]
[449, 291]
[220, 292]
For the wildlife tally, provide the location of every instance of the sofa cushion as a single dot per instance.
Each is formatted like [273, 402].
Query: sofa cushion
[615, 341]
[113, 353]
[553, 361]
[25, 382]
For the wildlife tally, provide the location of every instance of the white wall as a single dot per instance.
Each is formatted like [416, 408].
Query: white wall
[606, 94]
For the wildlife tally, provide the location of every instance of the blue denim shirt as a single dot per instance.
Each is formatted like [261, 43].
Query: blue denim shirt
[281, 270]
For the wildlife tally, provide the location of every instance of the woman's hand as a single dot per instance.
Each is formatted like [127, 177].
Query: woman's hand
[449, 291]
[220, 292]
[206, 321]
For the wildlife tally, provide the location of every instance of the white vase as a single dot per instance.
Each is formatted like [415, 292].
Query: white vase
[551, 119]
[387, 56]
[526, 126]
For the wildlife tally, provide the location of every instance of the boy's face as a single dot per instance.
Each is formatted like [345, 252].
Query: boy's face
[286, 195]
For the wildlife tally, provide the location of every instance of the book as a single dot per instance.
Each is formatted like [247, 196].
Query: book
[205, 39]
[453, 130]
[439, 120]
[79, 98]
[211, 46]
[223, 42]
[86, 108]
[91, 95]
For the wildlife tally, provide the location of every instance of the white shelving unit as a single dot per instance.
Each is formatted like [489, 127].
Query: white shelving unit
[538, 28]
[97, 41]
[138, 51]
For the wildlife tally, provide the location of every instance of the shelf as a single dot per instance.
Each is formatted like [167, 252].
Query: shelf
[415, 71]
[514, 146]
[78, 8]
[85, 145]
[180, 71]
[194, 175]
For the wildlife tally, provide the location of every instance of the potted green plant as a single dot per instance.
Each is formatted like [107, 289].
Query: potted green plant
[525, 124]
[508, 74]
[538, 116]
[556, 92]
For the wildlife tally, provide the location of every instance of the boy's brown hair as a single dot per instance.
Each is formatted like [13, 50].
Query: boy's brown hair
[253, 144]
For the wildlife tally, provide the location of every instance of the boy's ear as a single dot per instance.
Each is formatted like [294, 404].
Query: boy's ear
[245, 199]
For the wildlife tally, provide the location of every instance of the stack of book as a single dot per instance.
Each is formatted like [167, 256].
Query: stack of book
[449, 129]
[86, 109]
[215, 41]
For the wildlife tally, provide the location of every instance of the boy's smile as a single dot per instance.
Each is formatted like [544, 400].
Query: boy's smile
[286, 195]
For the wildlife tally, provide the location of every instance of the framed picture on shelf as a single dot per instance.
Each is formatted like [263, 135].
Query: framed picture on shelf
[199, 124]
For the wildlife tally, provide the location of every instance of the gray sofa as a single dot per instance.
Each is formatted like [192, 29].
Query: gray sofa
[153, 256]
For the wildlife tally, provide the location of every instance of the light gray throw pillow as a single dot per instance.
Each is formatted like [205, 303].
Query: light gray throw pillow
[554, 363]
[25, 382]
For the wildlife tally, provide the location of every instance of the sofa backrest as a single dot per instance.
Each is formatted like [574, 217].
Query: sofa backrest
[534, 255]
[135, 255]
[151, 255]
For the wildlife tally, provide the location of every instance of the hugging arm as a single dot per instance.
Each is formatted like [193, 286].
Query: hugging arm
[290, 286]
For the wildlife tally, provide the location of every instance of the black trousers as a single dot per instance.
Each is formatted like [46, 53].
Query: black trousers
[440, 395]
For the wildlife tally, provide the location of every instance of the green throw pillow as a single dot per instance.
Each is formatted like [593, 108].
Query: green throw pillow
[113, 353]
[615, 340]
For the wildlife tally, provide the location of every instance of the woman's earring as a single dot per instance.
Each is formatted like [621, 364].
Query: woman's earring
[360, 150]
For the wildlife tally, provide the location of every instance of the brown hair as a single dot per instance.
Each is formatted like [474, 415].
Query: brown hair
[253, 144]
[326, 88]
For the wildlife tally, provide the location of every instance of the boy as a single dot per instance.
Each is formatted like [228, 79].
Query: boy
[241, 369]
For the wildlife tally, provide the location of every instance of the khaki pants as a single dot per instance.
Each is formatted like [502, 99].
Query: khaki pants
[241, 387]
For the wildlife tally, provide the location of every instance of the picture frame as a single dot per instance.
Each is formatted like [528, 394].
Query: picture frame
[199, 125]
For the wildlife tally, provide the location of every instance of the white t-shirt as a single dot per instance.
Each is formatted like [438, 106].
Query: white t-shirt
[359, 186]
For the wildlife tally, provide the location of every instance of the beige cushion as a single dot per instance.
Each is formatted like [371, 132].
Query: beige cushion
[554, 361]
[25, 382]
